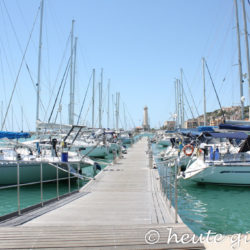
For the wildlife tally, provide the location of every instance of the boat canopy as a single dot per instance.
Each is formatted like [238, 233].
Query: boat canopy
[237, 135]
[235, 127]
[190, 132]
[13, 135]
[206, 128]
[170, 131]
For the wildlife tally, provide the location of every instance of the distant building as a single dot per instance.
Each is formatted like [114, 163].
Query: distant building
[169, 125]
[191, 123]
[145, 124]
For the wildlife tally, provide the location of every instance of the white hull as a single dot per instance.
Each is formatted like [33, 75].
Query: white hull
[219, 173]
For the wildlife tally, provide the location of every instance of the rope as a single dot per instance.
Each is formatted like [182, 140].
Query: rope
[20, 67]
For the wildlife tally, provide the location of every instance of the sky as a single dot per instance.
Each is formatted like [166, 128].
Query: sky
[141, 46]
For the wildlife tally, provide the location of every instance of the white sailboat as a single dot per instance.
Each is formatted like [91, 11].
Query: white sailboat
[227, 164]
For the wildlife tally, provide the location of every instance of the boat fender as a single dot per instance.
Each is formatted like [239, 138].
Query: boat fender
[188, 150]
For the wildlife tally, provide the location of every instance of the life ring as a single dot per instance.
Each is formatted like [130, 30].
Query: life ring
[188, 150]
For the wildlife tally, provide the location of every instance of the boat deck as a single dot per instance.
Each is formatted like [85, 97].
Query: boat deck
[119, 209]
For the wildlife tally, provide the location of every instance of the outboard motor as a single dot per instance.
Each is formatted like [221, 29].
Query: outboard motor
[53, 151]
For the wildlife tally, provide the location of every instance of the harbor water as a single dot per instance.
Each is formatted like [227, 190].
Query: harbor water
[221, 209]
[31, 195]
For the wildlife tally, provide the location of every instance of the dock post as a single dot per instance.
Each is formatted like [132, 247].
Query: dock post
[78, 180]
[114, 156]
[57, 183]
[170, 187]
[41, 182]
[120, 153]
[165, 183]
[177, 163]
[18, 189]
[94, 170]
[150, 157]
[68, 177]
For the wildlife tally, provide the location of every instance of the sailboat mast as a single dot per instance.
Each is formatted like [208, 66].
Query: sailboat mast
[176, 104]
[93, 100]
[22, 117]
[113, 113]
[74, 79]
[39, 61]
[247, 50]
[124, 114]
[182, 100]
[71, 104]
[239, 60]
[100, 100]
[108, 104]
[117, 109]
[204, 91]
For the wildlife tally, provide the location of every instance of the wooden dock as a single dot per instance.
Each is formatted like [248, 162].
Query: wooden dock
[123, 208]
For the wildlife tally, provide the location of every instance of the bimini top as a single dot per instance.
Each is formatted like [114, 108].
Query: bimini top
[235, 127]
[206, 128]
[13, 135]
[237, 135]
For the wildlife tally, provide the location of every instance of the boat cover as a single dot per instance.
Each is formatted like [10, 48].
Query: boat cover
[206, 128]
[235, 127]
[13, 135]
[237, 135]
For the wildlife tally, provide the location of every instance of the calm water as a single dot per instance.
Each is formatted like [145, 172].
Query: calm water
[221, 209]
[30, 195]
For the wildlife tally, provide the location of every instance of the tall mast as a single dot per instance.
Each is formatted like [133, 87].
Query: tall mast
[71, 104]
[239, 60]
[182, 100]
[12, 119]
[74, 79]
[100, 100]
[204, 91]
[113, 113]
[125, 121]
[39, 61]
[22, 117]
[1, 113]
[117, 109]
[247, 50]
[176, 104]
[93, 100]
[108, 104]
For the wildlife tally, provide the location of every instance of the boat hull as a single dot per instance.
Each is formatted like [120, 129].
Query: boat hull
[164, 143]
[29, 172]
[221, 174]
[97, 152]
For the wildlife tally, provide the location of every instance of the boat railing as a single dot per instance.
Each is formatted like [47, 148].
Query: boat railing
[168, 179]
[229, 157]
[57, 166]
[168, 184]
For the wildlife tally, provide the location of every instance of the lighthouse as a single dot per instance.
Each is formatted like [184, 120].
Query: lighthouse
[145, 124]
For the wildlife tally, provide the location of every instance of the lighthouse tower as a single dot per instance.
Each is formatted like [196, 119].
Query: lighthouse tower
[145, 124]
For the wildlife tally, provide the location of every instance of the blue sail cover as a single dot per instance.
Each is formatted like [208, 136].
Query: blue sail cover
[13, 135]
[206, 128]
[235, 127]
[190, 132]
[237, 135]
